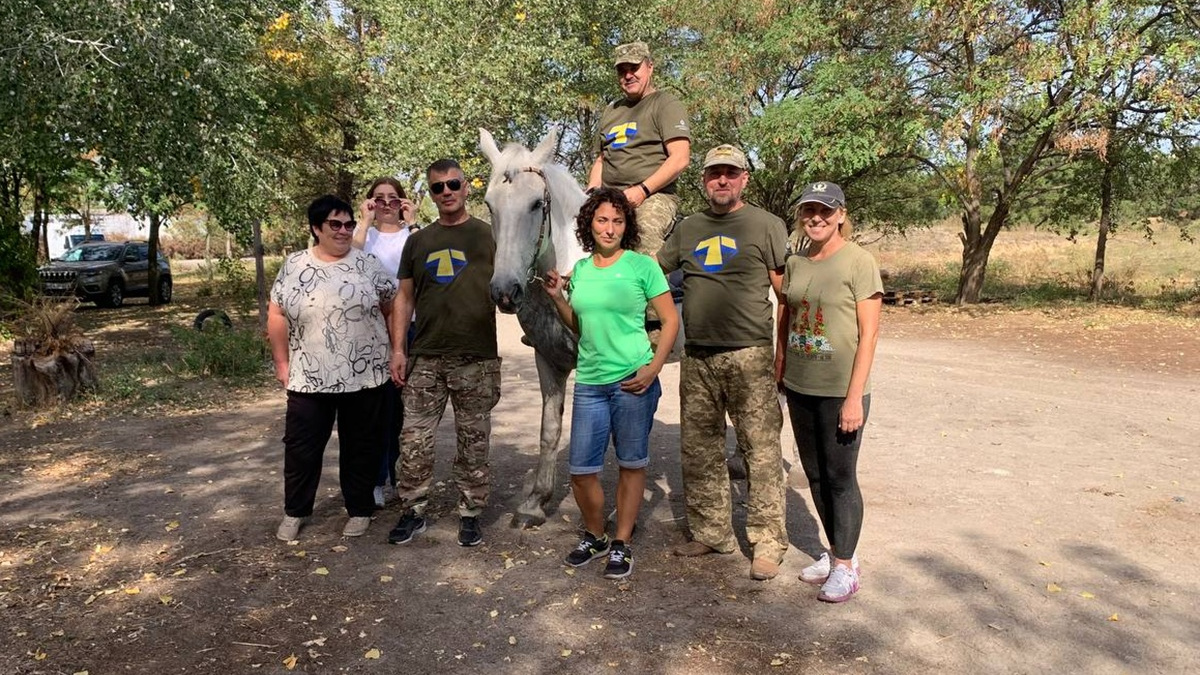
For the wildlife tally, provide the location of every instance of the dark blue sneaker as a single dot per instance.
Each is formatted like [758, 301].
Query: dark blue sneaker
[588, 550]
[469, 533]
[410, 525]
[620, 561]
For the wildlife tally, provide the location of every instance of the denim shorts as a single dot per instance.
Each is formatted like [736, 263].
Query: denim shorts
[604, 411]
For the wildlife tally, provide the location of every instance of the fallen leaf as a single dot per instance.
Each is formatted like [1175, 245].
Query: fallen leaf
[39, 655]
[565, 653]
[103, 548]
[321, 570]
[1086, 595]
[384, 578]
[1114, 617]
[570, 571]
[91, 598]
[300, 554]
[290, 662]
[339, 549]
[133, 590]
[509, 564]
[512, 640]
[372, 654]
[165, 599]
[315, 642]
[169, 491]
[80, 672]
[179, 572]
[173, 525]
[493, 613]
[1053, 588]
[478, 590]
[1043, 563]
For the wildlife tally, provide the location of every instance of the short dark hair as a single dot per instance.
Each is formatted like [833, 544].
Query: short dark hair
[583, 222]
[321, 207]
[442, 166]
[386, 180]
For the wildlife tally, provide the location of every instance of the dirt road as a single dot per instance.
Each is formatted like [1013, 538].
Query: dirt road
[1026, 512]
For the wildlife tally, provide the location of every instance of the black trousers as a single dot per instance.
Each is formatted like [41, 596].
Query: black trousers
[307, 427]
[830, 461]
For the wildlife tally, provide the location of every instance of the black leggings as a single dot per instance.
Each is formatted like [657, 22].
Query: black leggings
[830, 461]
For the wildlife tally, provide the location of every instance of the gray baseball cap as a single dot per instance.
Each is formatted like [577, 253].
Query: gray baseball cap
[822, 192]
[632, 52]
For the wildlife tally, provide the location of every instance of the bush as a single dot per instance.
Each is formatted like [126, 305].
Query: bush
[221, 352]
[18, 264]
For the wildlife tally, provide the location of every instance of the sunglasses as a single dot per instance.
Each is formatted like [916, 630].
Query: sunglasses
[454, 184]
[391, 203]
[335, 225]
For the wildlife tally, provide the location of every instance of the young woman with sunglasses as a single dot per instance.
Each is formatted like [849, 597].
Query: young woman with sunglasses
[328, 328]
[387, 218]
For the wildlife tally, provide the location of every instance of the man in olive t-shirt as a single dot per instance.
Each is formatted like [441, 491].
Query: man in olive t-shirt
[445, 271]
[645, 143]
[732, 256]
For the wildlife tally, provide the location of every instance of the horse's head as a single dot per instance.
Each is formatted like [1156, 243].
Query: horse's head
[517, 196]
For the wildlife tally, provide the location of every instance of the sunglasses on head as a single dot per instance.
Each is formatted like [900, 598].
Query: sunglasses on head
[454, 184]
[334, 225]
[391, 203]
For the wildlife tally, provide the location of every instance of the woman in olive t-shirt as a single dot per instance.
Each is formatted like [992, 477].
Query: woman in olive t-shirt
[616, 375]
[827, 332]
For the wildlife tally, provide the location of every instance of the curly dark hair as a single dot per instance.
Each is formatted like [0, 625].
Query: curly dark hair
[583, 222]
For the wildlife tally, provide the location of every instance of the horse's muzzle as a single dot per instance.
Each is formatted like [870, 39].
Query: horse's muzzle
[508, 297]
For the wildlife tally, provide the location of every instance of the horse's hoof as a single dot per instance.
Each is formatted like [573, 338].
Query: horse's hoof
[525, 521]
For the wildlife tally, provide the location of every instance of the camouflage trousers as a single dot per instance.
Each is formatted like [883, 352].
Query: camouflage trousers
[655, 217]
[713, 382]
[472, 386]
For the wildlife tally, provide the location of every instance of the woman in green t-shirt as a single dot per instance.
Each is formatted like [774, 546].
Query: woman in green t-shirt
[827, 332]
[616, 374]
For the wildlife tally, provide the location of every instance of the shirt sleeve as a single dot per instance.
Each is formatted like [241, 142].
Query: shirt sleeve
[866, 281]
[277, 287]
[654, 282]
[668, 255]
[385, 285]
[776, 253]
[406, 257]
[672, 120]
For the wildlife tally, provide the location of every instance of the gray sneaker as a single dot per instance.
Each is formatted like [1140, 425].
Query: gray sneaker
[841, 585]
[356, 526]
[380, 498]
[289, 528]
[818, 572]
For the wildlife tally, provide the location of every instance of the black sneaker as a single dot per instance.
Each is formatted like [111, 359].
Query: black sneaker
[410, 525]
[588, 550]
[469, 533]
[620, 561]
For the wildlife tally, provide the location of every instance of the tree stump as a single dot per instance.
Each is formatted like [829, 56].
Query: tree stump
[41, 379]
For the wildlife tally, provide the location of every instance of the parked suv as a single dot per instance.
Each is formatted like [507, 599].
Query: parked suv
[105, 273]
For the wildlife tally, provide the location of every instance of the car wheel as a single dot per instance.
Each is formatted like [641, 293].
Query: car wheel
[164, 290]
[114, 296]
[214, 314]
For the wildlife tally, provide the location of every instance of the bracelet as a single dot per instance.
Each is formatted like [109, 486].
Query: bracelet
[645, 189]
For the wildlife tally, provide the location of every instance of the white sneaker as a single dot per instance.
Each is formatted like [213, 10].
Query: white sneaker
[841, 585]
[818, 572]
[379, 498]
[289, 528]
[356, 526]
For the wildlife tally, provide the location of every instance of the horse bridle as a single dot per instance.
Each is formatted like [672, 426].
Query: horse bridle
[544, 232]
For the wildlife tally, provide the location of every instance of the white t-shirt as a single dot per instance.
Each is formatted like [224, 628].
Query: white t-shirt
[337, 336]
[387, 246]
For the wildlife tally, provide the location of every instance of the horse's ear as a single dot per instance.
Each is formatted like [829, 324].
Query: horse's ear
[488, 146]
[544, 152]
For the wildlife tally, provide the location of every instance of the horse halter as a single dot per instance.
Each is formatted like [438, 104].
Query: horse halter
[544, 232]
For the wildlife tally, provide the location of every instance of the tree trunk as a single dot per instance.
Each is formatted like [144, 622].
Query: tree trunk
[976, 251]
[41, 380]
[37, 229]
[345, 177]
[260, 275]
[152, 259]
[1106, 208]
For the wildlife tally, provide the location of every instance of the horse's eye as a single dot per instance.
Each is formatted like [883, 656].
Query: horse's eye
[537, 205]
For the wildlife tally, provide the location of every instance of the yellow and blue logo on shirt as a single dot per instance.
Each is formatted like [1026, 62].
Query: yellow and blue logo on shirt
[714, 252]
[620, 135]
[444, 265]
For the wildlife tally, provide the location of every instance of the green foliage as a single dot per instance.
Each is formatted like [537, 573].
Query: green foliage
[18, 264]
[220, 352]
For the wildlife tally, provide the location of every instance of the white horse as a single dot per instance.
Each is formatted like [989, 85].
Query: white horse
[534, 203]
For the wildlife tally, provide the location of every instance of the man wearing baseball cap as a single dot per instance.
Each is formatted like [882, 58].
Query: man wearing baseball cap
[645, 141]
[732, 256]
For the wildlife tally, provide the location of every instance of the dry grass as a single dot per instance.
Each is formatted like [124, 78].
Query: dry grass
[1036, 267]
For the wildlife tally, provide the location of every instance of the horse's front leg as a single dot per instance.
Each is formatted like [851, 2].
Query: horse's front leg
[539, 484]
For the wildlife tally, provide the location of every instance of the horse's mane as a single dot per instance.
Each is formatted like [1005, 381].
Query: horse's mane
[514, 157]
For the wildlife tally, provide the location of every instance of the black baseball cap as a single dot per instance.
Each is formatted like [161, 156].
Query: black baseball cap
[822, 192]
